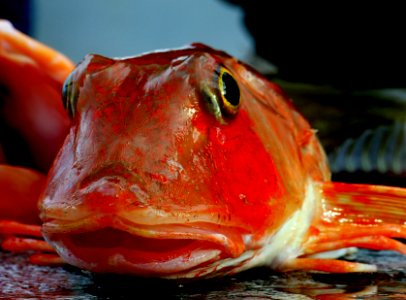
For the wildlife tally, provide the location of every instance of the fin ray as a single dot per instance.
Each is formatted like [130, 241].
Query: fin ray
[358, 215]
[363, 204]
[326, 265]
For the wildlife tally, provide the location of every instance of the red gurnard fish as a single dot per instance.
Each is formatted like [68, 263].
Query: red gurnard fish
[188, 163]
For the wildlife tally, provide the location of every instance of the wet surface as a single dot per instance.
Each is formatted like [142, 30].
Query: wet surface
[19, 280]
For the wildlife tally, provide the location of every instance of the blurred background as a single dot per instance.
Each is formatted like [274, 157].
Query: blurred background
[127, 27]
[342, 65]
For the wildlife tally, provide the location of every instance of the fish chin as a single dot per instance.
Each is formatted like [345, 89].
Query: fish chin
[159, 253]
[176, 265]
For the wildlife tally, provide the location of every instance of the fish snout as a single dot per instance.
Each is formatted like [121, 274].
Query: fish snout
[117, 226]
[111, 193]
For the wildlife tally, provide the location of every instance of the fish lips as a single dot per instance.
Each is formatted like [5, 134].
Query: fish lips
[115, 245]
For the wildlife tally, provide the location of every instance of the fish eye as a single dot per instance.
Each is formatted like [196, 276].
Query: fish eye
[229, 91]
[69, 96]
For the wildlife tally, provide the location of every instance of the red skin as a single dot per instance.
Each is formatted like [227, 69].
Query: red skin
[145, 120]
[135, 114]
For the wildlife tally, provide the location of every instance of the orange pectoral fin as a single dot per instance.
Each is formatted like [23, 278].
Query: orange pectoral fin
[20, 47]
[30, 240]
[31, 80]
[363, 204]
[356, 215]
[327, 265]
[19, 216]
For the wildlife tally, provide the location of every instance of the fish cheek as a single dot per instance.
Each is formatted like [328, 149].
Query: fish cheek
[244, 179]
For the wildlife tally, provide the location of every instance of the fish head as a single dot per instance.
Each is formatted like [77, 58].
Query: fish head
[177, 162]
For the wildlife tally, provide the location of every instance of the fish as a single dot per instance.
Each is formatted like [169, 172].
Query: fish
[188, 163]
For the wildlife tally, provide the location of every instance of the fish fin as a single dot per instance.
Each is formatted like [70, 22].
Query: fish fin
[326, 265]
[373, 242]
[356, 215]
[362, 204]
[19, 47]
[42, 259]
[30, 240]
[11, 228]
[44, 255]
[23, 244]
[19, 229]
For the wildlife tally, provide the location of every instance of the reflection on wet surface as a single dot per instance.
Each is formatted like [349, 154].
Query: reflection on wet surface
[24, 281]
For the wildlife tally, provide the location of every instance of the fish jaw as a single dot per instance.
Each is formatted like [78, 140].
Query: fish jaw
[114, 245]
[117, 233]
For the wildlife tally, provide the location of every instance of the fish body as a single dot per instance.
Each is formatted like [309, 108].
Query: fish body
[188, 163]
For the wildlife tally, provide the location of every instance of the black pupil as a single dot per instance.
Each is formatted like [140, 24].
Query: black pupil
[69, 95]
[231, 90]
[65, 92]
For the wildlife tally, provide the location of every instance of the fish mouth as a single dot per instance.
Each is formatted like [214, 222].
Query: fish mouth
[145, 250]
